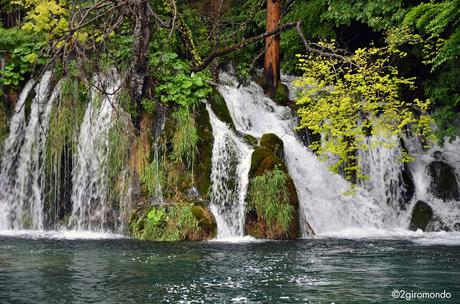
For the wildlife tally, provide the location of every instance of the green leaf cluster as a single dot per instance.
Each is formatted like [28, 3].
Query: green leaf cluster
[23, 52]
[177, 84]
[169, 223]
[347, 100]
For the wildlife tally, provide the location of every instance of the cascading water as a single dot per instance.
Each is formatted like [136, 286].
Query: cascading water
[324, 200]
[22, 171]
[231, 161]
[91, 209]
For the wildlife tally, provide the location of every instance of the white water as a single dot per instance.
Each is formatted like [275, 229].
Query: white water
[372, 211]
[91, 209]
[60, 234]
[324, 202]
[231, 161]
[22, 171]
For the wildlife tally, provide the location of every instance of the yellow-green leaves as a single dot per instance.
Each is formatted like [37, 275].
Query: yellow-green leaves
[46, 16]
[347, 100]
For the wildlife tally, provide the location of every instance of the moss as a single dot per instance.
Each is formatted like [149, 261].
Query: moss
[185, 138]
[173, 222]
[203, 164]
[140, 153]
[120, 142]
[263, 161]
[250, 140]
[61, 145]
[281, 95]
[219, 107]
[206, 220]
[3, 123]
[269, 199]
[274, 143]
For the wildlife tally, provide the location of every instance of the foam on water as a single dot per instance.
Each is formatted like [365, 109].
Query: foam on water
[238, 240]
[60, 234]
[418, 237]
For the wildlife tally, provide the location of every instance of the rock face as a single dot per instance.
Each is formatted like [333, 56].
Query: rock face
[203, 164]
[444, 183]
[219, 107]
[406, 182]
[177, 221]
[265, 159]
[422, 214]
[274, 143]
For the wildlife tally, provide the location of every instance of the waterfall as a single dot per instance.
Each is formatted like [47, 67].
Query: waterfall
[91, 209]
[231, 161]
[22, 164]
[326, 202]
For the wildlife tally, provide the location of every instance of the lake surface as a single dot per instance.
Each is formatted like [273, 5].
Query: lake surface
[73, 268]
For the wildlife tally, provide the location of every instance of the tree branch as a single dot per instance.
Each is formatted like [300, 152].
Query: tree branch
[321, 52]
[242, 44]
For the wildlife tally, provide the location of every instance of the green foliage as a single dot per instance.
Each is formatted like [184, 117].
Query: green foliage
[65, 118]
[185, 138]
[23, 50]
[439, 20]
[152, 176]
[47, 17]
[177, 84]
[443, 90]
[3, 124]
[378, 14]
[148, 105]
[269, 196]
[119, 139]
[347, 100]
[172, 223]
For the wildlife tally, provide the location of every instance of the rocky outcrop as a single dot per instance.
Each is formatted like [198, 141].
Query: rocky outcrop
[219, 107]
[422, 214]
[274, 143]
[444, 184]
[265, 159]
[203, 164]
[406, 183]
[177, 221]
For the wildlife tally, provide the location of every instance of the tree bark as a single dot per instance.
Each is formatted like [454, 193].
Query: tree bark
[141, 35]
[272, 46]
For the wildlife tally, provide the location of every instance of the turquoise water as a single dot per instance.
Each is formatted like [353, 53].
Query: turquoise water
[37, 269]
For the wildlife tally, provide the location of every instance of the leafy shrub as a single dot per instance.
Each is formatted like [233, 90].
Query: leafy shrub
[172, 223]
[347, 100]
[178, 84]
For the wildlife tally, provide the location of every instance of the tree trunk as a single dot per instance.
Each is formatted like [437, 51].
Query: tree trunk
[141, 35]
[272, 46]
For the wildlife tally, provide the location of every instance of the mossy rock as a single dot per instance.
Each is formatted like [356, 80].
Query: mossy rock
[281, 96]
[206, 220]
[3, 123]
[173, 222]
[264, 160]
[274, 143]
[250, 140]
[422, 214]
[219, 107]
[203, 164]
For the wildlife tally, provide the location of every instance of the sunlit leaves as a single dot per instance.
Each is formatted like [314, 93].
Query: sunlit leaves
[347, 100]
